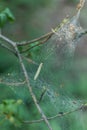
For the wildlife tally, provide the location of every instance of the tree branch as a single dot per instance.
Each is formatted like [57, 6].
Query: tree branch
[27, 79]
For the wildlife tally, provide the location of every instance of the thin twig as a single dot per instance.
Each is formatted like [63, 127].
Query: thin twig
[30, 89]
[12, 83]
[8, 48]
[29, 60]
[13, 44]
[42, 94]
[56, 116]
[34, 40]
[13, 51]
[27, 79]
[40, 43]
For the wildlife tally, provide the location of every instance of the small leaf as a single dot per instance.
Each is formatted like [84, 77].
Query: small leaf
[9, 14]
[6, 16]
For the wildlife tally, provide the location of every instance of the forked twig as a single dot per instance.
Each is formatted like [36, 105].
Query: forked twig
[8, 48]
[41, 40]
[27, 79]
[13, 51]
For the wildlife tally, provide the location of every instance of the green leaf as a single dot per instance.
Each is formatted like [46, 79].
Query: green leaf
[9, 14]
[6, 16]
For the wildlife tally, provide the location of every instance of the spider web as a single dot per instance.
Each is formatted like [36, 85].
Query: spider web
[54, 85]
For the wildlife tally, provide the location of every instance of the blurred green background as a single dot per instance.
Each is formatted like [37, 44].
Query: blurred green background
[33, 19]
